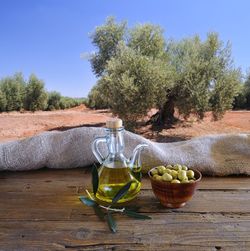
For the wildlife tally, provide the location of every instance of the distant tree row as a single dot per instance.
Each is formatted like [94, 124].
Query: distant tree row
[242, 101]
[16, 95]
[138, 69]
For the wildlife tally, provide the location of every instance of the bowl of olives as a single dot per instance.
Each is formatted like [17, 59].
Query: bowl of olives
[174, 185]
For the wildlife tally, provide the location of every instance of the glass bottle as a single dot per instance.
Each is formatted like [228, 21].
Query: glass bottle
[116, 170]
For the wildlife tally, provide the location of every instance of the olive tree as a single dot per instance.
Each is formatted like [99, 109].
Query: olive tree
[206, 79]
[247, 91]
[148, 40]
[36, 96]
[106, 38]
[135, 76]
[224, 92]
[12, 89]
[3, 102]
[54, 99]
[133, 83]
[141, 70]
[97, 98]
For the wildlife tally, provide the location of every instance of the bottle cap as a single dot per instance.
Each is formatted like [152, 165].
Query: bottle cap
[114, 123]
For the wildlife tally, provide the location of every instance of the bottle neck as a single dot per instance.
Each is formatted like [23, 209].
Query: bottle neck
[115, 140]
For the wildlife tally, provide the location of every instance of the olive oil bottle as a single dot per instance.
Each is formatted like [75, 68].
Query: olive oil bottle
[116, 170]
[112, 180]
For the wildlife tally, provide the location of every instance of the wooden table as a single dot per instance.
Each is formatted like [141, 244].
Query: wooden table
[40, 210]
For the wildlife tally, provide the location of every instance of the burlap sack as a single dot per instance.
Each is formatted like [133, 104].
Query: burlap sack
[212, 155]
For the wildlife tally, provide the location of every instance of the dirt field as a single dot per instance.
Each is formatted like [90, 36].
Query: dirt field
[232, 122]
[15, 125]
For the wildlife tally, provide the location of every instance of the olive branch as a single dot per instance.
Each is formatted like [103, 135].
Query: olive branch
[105, 213]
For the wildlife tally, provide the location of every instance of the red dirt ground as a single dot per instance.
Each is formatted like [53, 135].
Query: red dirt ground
[232, 122]
[16, 125]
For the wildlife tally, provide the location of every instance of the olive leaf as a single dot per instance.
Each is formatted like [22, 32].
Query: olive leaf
[111, 222]
[121, 192]
[87, 201]
[99, 212]
[90, 201]
[136, 170]
[136, 215]
[95, 179]
[138, 175]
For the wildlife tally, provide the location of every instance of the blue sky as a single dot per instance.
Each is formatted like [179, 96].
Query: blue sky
[46, 37]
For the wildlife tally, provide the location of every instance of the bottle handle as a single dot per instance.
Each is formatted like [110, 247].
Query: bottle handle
[96, 150]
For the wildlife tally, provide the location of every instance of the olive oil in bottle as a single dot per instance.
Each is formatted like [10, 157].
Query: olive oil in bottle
[116, 170]
[112, 180]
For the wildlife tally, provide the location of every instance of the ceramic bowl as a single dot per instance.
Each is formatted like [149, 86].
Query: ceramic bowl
[174, 195]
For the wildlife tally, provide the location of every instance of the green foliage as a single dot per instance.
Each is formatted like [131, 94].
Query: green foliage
[205, 78]
[142, 71]
[122, 192]
[92, 201]
[106, 39]
[3, 102]
[226, 88]
[111, 222]
[54, 101]
[87, 201]
[95, 179]
[133, 83]
[36, 96]
[97, 98]
[190, 90]
[12, 89]
[80, 101]
[148, 40]
[247, 92]
[16, 94]
[136, 215]
[67, 102]
[242, 101]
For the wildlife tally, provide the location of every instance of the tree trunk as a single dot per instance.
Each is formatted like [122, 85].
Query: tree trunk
[165, 116]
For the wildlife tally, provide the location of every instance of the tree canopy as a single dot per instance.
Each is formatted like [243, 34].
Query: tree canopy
[12, 92]
[130, 78]
[36, 96]
[105, 39]
[141, 70]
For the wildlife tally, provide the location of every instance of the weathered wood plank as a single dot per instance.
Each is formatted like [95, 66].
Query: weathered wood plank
[77, 179]
[75, 187]
[190, 231]
[59, 207]
[40, 210]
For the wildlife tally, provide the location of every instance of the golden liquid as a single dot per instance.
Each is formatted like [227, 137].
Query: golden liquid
[111, 180]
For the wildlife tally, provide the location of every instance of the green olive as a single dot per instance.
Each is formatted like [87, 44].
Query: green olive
[154, 171]
[190, 174]
[177, 167]
[182, 175]
[184, 168]
[169, 166]
[175, 181]
[161, 169]
[157, 177]
[174, 174]
[167, 170]
[185, 180]
[167, 177]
